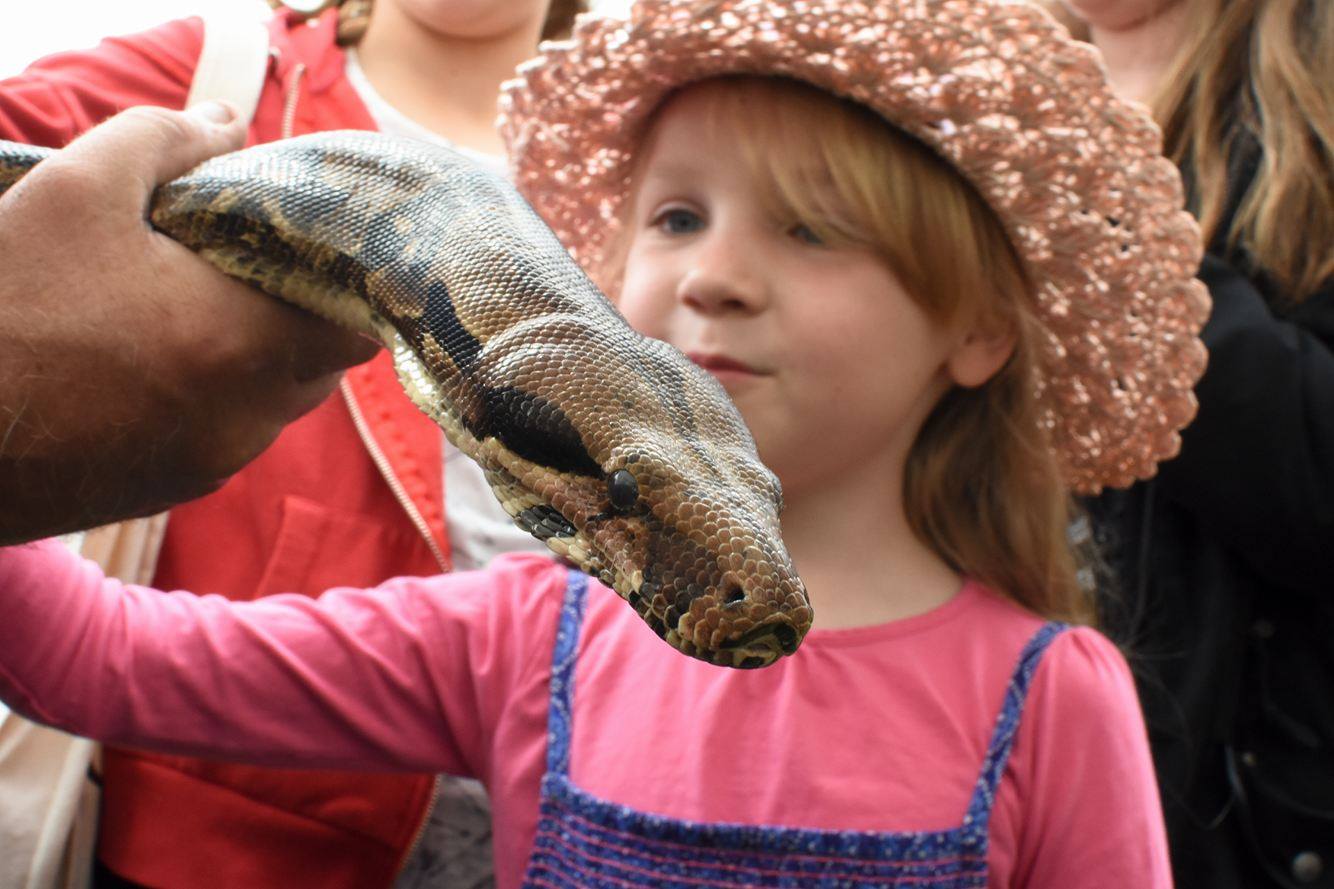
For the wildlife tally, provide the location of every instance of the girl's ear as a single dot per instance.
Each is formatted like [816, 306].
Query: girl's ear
[983, 352]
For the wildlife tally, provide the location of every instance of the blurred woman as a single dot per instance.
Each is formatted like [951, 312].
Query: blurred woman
[1222, 563]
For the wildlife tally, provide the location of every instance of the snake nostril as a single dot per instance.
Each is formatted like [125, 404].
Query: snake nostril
[733, 594]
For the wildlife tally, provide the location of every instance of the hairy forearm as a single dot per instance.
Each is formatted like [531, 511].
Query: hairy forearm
[133, 374]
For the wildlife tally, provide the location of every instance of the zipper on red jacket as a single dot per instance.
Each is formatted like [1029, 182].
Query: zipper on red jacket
[386, 470]
[292, 95]
[420, 832]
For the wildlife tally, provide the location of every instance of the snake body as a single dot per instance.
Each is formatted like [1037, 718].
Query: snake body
[612, 448]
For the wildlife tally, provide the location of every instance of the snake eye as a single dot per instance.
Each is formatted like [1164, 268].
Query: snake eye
[622, 490]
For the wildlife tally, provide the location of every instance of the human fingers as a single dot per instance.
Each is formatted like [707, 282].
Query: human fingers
[319, 348]
[129, 155]
[144, 147]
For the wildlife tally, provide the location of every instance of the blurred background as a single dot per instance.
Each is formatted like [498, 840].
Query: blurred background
[33, 30]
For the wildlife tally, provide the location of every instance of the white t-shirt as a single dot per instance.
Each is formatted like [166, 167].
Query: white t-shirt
[478, 527]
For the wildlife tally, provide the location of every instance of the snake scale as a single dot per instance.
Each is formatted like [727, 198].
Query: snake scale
[612, 448]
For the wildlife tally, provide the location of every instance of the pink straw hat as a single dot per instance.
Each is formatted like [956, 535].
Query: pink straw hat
[995, 87]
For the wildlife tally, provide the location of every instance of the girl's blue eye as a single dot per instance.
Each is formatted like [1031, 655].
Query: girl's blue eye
[679, 221]
[804, 234]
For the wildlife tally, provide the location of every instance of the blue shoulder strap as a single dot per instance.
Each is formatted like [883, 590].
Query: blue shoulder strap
[1007, 724]
[560, 713]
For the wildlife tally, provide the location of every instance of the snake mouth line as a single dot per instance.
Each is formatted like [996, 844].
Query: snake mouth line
[773, 636]
[758, 647]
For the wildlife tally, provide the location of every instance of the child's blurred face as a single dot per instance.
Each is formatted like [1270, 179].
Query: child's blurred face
[832, 364]
[474, 18]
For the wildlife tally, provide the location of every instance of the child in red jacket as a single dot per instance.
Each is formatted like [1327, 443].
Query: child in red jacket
[353, 493]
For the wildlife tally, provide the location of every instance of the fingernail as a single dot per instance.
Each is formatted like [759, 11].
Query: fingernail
[214, 112]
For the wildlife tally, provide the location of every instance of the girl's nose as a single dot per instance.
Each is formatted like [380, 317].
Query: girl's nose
[721, 279]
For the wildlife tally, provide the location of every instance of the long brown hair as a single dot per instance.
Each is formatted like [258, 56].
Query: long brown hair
[982, 487]
[1267, 67]
[1259, 70]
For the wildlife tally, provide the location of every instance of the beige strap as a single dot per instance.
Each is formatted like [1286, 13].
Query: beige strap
[48, 807]
[127, 550]
[233, 62]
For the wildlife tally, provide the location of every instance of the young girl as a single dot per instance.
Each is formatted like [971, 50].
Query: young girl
[358, 491]
[926, 350]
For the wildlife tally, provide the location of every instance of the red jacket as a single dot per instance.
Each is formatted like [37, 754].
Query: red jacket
[327, 505]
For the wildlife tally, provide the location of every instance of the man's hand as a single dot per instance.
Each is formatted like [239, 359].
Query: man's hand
[133, 375]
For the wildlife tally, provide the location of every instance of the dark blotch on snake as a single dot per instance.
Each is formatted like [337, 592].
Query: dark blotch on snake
[655, 624]
[442, 322]
[311, 205]
[535, 429]
[385, 245]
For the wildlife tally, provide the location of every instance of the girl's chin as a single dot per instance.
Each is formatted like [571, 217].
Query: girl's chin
[735, 381]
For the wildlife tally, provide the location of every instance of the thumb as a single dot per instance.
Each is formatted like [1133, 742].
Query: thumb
[143, 147]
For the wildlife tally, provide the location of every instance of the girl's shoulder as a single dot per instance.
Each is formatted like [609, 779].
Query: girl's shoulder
[1076, 683]
[1082, 791]
[1074, 660]
[496, 625]
[1078, 648]
[1085, 676]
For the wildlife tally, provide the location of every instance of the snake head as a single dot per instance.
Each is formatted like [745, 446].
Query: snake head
[660, 492]
[697, 552]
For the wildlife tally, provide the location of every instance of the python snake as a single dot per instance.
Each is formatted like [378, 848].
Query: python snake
[625, 458]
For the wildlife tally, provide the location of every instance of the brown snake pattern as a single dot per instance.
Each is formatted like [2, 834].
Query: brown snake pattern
[626, 459]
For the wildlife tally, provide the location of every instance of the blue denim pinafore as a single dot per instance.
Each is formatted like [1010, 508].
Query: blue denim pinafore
[584, 842]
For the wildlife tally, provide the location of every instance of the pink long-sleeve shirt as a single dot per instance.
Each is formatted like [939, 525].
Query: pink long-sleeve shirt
[878, 728]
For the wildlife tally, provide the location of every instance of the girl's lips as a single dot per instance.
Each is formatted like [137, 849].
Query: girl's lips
[720, 365]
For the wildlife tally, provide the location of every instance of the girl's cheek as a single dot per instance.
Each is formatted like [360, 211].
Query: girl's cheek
[645, 297]
[639, 316]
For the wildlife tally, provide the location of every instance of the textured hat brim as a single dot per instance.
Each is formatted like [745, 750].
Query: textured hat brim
[997, 88]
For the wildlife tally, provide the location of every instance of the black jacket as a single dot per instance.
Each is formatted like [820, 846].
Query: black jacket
[1223, 594]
